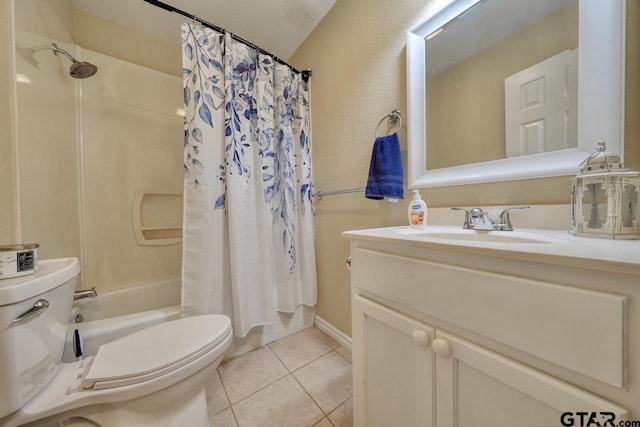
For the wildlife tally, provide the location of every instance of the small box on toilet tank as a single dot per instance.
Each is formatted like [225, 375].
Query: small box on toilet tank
[18, 260]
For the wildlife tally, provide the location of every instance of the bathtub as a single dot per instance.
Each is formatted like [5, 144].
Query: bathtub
[116, 314]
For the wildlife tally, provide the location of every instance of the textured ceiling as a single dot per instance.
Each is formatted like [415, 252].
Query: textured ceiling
[278, 26]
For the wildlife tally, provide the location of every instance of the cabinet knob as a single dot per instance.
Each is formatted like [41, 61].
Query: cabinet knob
[420, 338]
[441, 348]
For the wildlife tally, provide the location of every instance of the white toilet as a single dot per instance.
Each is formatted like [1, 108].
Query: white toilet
[154, 377]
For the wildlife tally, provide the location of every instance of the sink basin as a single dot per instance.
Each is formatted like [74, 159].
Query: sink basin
[487, 236]
[470, 236]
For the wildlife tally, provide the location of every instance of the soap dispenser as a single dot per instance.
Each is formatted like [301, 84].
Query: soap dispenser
[417, 211]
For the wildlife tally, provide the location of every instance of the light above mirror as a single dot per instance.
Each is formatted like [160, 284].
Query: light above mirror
[600, 90]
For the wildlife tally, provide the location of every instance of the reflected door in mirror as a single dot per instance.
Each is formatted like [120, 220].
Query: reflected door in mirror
[541, 106]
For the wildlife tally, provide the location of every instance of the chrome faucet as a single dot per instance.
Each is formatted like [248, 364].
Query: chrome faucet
[478, 219]
[89, 293]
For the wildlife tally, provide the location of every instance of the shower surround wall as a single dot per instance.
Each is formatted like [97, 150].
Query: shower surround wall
[132, 132]
[84, 148]
[8, 191]
[46, 131]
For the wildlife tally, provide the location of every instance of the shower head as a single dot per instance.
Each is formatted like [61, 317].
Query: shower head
[78, 69]
[82, 70]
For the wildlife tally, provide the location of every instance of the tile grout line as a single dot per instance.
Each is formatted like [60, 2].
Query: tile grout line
[328, 419]
[325, 415]
[228, 399]
[314, 401]
[292, 373]
[322, 336]
[261, 388]
[320, 333]
[311, 361]
[350, 362]
[235, 417]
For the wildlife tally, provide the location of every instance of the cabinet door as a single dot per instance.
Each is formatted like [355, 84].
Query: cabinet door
[476, 387]
[392, 368]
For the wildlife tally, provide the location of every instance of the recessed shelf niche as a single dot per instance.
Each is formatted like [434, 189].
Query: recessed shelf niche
[157, 216]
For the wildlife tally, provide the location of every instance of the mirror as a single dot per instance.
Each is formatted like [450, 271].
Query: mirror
[513, 81]
[600, 76]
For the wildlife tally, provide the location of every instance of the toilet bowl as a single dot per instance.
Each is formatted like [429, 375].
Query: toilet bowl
[154, 377]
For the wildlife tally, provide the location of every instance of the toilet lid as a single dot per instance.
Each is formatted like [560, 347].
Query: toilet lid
[154, 351]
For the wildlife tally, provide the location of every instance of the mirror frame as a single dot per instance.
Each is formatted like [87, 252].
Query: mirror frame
[601, 70]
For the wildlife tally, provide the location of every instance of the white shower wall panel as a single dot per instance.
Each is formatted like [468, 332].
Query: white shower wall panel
[47, 156]
[132, 133]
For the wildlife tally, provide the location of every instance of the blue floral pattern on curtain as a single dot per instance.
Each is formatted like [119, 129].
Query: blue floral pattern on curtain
[248, 157]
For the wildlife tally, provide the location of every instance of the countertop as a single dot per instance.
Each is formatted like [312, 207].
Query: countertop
[535, 245]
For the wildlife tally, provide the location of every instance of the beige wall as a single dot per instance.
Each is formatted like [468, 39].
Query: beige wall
[358, 59]
[357, 54]
[632, 81]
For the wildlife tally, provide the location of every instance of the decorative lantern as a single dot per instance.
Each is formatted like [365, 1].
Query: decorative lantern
[605, 198]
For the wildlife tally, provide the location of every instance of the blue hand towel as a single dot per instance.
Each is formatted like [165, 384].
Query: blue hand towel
[385, 170]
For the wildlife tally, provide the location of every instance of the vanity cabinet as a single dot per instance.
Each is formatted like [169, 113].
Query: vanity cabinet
[400, 364]
[394, 359]
[479, 387]
[447, 338]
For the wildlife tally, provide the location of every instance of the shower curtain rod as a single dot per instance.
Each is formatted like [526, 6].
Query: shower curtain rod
[170, 8]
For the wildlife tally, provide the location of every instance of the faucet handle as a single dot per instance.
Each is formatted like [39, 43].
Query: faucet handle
[504, 220]
[467, 217]
[460, 209]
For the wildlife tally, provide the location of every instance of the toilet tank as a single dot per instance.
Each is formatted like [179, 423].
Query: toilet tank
[31, 348]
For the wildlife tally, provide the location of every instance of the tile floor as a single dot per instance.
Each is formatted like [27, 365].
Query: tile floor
[301, 380]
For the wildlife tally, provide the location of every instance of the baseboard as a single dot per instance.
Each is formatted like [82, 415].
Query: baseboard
[333, 332]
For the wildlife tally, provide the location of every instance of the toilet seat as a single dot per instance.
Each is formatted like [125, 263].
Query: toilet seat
[154, 351]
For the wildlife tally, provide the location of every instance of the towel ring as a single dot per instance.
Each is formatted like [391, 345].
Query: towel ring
[395, 118]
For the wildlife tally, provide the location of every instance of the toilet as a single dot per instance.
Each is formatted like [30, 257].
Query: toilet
[154, 377]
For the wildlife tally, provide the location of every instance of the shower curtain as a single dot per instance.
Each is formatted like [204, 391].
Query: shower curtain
[248, 239]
